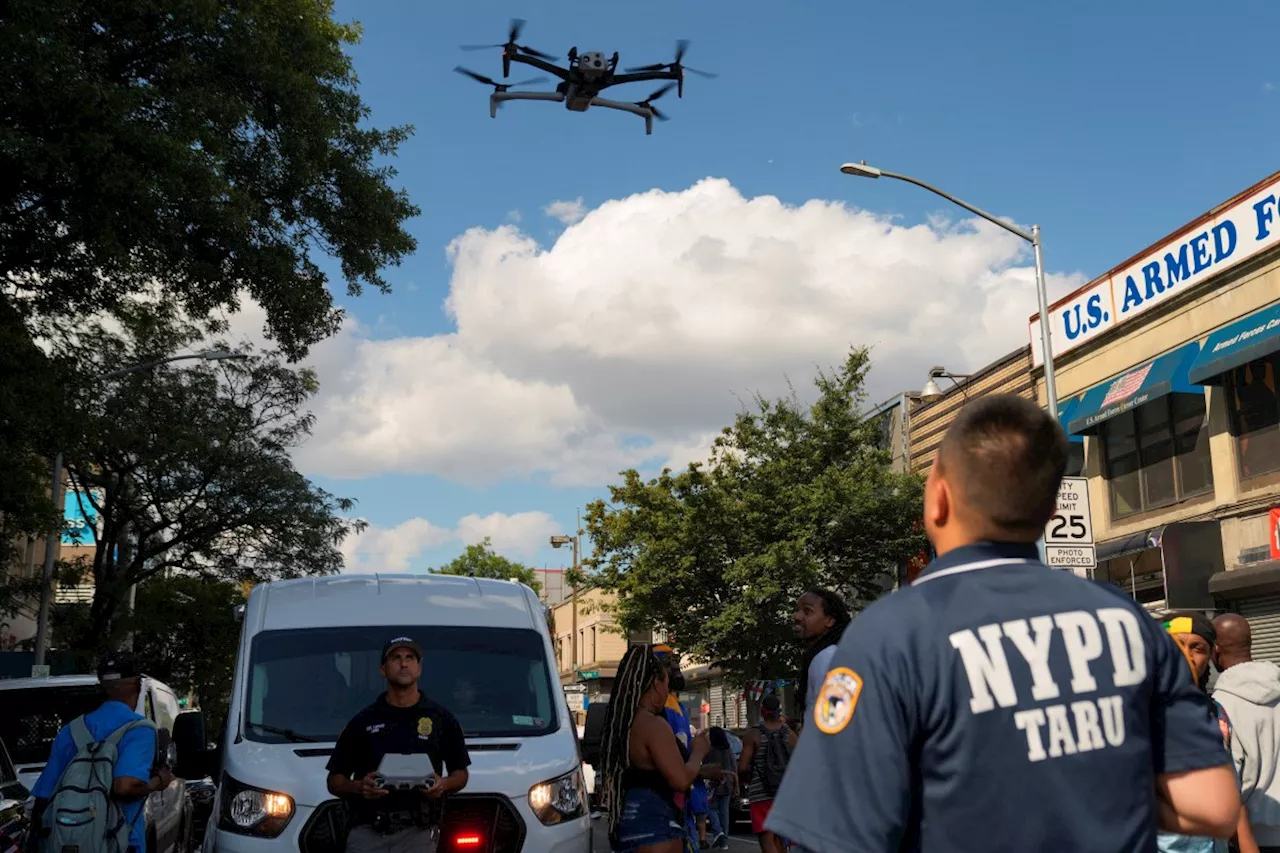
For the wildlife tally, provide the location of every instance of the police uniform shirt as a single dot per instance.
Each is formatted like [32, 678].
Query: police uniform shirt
[383, 729]
[995, 705]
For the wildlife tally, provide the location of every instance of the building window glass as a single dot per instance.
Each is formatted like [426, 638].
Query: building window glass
[1255, 415]
[1157, 454]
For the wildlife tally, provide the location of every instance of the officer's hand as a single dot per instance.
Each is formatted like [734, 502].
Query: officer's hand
[369, 788]
[438, 789]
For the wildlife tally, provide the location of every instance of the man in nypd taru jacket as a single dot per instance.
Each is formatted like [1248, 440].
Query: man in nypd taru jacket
[997, 704]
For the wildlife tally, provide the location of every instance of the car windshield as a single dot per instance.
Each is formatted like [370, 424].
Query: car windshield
[31, 717]
[306, 684]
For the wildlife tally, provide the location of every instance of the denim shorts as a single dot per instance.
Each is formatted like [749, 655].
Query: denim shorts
[647, 819]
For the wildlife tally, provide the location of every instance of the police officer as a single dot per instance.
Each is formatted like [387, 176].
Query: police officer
[997, 704]
[401, 721]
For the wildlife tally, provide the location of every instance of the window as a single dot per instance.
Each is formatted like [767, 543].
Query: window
[30, 718]
[1157, 454]
[306, 684]
[1075, 459]
[1254, 406]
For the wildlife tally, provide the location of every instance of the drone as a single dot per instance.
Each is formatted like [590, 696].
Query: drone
[588, 74]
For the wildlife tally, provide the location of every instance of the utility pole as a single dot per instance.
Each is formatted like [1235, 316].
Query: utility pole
[576, 541]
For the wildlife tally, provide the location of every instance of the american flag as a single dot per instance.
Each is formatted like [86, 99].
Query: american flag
[1126, 386]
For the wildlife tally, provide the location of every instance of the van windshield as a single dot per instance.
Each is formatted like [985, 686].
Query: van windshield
[30, 717]
[306, 684]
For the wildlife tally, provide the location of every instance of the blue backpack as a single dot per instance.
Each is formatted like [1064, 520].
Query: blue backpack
[82, 816]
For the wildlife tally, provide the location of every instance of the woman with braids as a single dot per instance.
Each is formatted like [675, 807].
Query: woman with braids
[820, 619]
[642, 766]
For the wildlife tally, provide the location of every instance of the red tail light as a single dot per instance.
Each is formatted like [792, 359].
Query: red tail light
[467, 841]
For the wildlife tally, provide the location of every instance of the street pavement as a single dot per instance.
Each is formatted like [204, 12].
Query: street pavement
[737, 843]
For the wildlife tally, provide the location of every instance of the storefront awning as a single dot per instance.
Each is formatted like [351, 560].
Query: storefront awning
[1190, 554]
[1239, 343]
[1167, 374]
[1066, 411]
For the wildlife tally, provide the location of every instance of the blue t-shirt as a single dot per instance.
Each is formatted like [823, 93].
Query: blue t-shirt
[134, 758]
[996, 705]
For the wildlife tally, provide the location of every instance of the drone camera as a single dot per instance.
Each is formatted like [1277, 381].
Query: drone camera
[593, 63]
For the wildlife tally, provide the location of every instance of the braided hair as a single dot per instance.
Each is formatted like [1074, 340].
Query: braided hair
[636, 673]
[832, 605]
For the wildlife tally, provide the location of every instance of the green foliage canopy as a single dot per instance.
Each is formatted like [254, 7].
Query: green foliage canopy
[793, 496]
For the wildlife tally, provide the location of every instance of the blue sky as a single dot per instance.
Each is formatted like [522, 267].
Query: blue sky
[572, 344]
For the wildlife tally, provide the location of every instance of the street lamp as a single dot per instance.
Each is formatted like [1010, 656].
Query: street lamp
[862, 170]
[931, 391]
[576, 542]
[53, 540]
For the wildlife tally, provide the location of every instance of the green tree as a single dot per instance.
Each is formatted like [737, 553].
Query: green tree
[211, 149]
[481, 561]
[185, 632]
[792, 496]
[188, 467]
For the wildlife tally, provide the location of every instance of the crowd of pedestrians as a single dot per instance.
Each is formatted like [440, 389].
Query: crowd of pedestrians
[993, 704]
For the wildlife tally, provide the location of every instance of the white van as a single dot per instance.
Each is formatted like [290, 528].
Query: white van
[308, 661]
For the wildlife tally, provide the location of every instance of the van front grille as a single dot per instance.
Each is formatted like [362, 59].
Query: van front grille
[487, 817]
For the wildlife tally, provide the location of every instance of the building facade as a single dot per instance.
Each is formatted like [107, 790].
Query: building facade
[1166, 372]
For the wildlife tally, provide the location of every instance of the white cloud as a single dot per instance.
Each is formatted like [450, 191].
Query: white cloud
[567, 212]
[638, 333]
[392, 549]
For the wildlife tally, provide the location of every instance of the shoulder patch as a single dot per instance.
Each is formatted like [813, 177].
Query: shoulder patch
[834, 706]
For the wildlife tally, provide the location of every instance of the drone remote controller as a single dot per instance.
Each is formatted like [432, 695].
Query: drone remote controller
[399, 772]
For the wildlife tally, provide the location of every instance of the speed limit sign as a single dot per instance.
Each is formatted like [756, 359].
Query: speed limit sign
[1068, 537]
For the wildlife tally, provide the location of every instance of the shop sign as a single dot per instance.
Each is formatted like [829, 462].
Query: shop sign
[1228, 238]
[1068, 537]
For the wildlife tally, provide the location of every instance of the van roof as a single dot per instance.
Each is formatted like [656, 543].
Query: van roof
[393, 599]
[51, 681]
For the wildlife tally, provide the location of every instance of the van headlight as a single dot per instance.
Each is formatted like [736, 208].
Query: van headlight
[559, 799]
[246, 810]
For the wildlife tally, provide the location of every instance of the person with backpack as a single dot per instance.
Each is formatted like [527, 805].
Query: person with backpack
[78, 781]
[766, 749]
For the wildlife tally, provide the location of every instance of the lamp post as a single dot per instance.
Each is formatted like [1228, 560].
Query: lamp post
[53, 540]
[862, 170]
[576, 542]
[931, 392]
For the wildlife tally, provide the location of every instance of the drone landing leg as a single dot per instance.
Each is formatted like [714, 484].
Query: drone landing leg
[493, 107]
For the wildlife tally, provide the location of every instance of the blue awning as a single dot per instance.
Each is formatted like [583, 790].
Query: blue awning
[1066, 411]
[1239, 343]
[1167, 374]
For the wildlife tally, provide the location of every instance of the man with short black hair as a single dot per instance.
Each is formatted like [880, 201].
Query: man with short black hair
[997, 704]
[402, 721]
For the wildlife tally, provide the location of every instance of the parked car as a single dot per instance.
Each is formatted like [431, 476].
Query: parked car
[32, 710]
[14, 823]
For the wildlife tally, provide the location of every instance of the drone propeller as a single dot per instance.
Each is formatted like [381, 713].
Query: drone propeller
[498, 87]
[648, 102]
[678, 67]
[509, 47]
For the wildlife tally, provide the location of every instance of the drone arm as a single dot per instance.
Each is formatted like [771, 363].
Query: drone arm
[634, 109]
[641, 76]
[498, 97]
[542, 65]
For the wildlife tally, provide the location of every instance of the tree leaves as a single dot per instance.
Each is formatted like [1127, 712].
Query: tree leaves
[792, 496]
[481, 561]
[209, 148]
[188, 465]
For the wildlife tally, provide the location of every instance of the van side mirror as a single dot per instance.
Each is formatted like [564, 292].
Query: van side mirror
[191, 746]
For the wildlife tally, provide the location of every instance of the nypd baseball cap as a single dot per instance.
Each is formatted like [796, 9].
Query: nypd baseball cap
[118, 666]
[401, 643]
